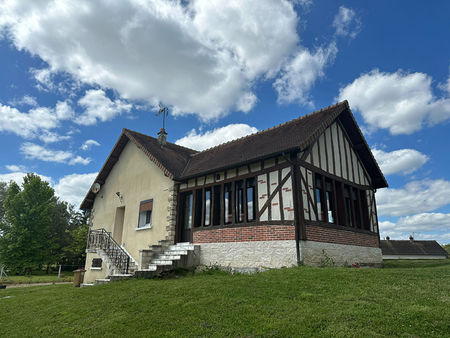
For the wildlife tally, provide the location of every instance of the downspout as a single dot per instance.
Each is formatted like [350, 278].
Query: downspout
[295, 196]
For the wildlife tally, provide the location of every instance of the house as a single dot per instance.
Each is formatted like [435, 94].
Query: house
[302, 192]
[412, 249]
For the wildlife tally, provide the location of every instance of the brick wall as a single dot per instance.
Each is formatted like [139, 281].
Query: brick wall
[330, 235]
[246, 234]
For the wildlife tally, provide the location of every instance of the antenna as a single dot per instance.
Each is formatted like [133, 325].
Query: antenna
[164, 111]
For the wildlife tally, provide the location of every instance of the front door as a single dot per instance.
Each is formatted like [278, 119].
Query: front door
[185, 226]
[118, 225]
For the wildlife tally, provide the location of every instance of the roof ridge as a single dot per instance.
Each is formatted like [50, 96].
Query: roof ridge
[171, 143]
[345, 102]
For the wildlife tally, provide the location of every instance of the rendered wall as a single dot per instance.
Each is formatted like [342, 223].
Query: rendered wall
[137, 179]
[277, 254]
[92, 274]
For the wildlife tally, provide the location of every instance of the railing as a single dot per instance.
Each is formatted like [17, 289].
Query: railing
[101, 239]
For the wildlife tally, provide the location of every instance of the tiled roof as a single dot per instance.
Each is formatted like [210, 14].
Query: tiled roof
[181, 163]
[295, 134]
[412, 247]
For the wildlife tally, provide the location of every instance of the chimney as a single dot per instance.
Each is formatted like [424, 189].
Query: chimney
[162, 137]
[411, 238]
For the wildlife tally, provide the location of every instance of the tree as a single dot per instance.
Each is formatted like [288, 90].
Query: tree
[27, 242]
[3, 192]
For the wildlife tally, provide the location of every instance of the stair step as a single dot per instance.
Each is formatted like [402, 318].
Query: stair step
[175, 252]
[184, 243]
[169, 257]
[161, 262]
[189, 247]
[102, 281]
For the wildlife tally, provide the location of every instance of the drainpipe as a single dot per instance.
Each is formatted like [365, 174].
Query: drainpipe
[295, 197]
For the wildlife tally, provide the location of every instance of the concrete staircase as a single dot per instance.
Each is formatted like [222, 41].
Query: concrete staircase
[168, 257]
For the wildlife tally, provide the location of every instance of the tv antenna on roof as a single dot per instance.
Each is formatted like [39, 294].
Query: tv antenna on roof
[164, 111]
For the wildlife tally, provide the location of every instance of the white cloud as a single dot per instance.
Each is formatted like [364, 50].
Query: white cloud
[415, 197]
[34, 151]
[200, 57]
[421, 226]
[88, 144]
[72, 188]
[14, 167]
[26, 100]
[403, 161]
[64, 111]
[300, 74]
[99, 107]
[211, 138]
[52, 137]
[346, 23]
[27, 125]
[401, 102]
[18, 177]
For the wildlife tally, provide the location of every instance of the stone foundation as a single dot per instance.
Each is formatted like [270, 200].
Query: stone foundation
[277, 254]
[330, 254]
[258, 254]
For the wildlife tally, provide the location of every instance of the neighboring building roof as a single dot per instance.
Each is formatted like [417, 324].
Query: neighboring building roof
[181, 163]
[412, 247]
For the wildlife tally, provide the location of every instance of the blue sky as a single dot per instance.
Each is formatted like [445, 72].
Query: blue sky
[73, 74]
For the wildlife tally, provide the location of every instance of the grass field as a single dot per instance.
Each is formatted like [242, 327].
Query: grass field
[66, 277]
[402, 299]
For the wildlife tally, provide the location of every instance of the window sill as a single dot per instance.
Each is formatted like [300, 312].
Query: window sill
[144, 228]
[98, 269]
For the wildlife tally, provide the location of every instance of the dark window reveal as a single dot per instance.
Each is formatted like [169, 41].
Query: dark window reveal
[321, 207]
[198, 207]
[217, 204]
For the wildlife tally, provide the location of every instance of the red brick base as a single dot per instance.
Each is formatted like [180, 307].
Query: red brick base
[246, 234]
[329, 235]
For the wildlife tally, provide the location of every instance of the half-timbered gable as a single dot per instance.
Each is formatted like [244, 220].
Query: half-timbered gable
[300, 192]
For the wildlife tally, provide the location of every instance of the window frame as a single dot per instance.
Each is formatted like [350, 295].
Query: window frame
[141, 213]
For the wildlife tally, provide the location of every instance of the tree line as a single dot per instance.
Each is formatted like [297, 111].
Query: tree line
[37, 229]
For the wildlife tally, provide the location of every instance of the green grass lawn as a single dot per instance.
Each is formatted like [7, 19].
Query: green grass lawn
[403, 299]
[66, 277]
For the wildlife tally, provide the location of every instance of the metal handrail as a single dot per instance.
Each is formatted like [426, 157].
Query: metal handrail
[102, 239]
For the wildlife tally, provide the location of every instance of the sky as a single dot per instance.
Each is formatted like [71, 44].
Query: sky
[74, 73]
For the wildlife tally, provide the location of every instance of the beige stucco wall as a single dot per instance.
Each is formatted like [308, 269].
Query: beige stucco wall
[92, 274]
[137, 178]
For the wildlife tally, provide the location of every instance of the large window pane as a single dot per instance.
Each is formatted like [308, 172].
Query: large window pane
[239, 186]
[228, 203]
[251, 199]
[207, 206]
[187, 210]
[198, 207]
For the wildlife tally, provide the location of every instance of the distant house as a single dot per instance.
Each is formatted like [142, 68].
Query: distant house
[412, 249]
[302, 192]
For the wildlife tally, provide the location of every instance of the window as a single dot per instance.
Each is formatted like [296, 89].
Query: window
[348, 207]
[239, 188]
[145, 214]
[321, 207]
[198, 207]
[340, 203]
[207, 207]
[251, 199]
[187, 210]
[96, 263]
[228, 203]
[216, 205]
[329, 196]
